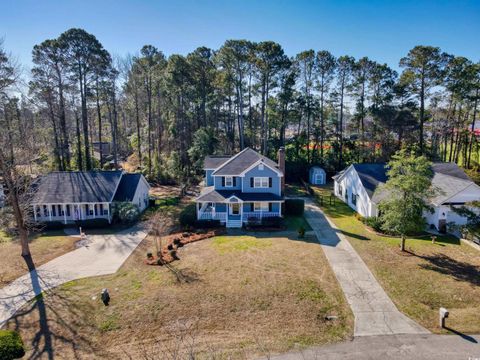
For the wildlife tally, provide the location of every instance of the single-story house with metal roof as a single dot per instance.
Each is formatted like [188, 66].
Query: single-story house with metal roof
[68, 196]
[317, 176]
[359, 186]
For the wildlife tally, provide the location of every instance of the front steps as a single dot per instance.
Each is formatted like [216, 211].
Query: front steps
[234, 223]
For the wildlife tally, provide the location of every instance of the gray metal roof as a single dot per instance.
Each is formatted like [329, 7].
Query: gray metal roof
[242, 161]
[214, 161]
[127, 187]
[211, 195]
[76, 187]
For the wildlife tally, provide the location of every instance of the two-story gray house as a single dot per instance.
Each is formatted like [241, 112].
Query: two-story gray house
[242, 187]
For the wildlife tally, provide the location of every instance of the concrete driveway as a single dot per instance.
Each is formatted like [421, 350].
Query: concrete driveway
[102, 255]
[374, 311]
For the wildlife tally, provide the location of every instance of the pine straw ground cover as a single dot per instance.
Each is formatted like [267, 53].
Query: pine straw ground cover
[232, 296]
[422, 279]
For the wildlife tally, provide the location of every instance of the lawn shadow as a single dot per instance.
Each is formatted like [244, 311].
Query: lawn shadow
[43, 336]
[353, 235]
[459, 270]
[462, 335]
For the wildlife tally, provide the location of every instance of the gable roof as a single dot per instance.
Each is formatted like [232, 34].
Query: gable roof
[448, 178]
[237, 164]
[127, 187]
[214, 161]
[76, 187]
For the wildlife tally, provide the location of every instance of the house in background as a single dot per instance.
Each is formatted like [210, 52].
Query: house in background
[82, 195]
[242, 187]
[359, 186]
[2, 196]
[317, 176]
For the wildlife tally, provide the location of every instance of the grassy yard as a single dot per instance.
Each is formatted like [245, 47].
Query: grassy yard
[44, 247]
[421, 280]
[232, 296]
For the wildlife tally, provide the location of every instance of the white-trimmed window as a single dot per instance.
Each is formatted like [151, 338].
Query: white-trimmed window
[228, 181]
[260, 182]
[260, 206]
[354, 199]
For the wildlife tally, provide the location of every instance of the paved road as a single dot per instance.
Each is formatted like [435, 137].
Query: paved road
[374, 311]
[104, 254]
[394, 347]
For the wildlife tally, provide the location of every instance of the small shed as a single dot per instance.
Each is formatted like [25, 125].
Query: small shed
[317, 176]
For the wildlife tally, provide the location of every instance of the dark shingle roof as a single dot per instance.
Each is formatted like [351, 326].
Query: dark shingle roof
[127, 187]
[213, 161]
[371, 175]
[243, 160]
[448, 179]
[76, 187]
[211, 195]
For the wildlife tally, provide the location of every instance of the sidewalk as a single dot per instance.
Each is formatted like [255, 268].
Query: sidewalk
[103, 255]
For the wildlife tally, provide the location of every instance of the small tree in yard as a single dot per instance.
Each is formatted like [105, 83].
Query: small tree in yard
[409, 186]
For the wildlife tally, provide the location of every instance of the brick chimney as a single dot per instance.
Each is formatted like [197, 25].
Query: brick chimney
[281, 166]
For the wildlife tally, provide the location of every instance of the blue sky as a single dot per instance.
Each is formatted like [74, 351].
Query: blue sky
[382, 30]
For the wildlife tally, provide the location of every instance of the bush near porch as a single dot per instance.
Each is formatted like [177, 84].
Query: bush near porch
[421, 280]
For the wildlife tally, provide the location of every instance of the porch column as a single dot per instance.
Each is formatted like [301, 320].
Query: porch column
[198, 211]
[108, 210]
[241, 211]
[280, 209]
[80, 212]
[35, 212]
[50, 212]
[64, 214]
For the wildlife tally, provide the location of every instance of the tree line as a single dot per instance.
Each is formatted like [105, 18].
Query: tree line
[164, 114]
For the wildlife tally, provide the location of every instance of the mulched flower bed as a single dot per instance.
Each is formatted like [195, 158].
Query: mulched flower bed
[172, 242]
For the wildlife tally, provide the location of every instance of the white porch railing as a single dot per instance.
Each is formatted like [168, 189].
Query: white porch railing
[210, 215]
[259, 215]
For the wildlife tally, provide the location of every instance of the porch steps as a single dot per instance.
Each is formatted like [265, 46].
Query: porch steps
[234, 223]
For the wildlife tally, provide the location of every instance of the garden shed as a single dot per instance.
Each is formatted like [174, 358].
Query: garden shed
[317, 176]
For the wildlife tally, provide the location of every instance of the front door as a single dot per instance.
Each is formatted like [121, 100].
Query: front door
[234, 209]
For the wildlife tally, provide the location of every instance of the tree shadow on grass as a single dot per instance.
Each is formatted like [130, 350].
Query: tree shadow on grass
[44, 324]
[459, 270]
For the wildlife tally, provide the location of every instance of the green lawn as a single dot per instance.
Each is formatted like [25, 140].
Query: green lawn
[422, 279]
[293, 223]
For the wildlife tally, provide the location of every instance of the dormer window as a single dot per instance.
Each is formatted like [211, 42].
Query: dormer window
[228, 181]
[260, 167]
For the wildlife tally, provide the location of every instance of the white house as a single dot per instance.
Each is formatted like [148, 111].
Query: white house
[358, 186]
[68, 196]
[317, 176]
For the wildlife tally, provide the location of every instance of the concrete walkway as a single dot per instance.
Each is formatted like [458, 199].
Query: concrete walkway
[394, 347]
[104, 254]
[374, 311]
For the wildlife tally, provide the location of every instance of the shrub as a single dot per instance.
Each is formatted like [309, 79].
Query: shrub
[126, 212]
[301, 232]
[272, 222]
[52, 225]
[188, 216]
[92, 223]
[294, 206]
[374, 222]
[359, 217]
[11, 345]
[207, 224]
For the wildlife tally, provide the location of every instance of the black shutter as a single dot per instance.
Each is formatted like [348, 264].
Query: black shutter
[234, 181]
[251, 182]
[269, 182]
[251, 207]
[270, 207]
[223, 181]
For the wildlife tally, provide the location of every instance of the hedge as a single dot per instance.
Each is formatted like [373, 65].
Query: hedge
[188, 216]
[294, 206]
[92, 223]
[11, 345]
[207, 224]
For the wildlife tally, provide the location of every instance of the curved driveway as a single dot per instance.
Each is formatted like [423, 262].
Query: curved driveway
[104, 254]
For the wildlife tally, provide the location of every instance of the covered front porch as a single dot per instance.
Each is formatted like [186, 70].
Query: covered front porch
[68, 213]
[234, 212]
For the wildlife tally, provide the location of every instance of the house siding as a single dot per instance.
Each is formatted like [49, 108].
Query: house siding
[218, 183]
[141, 195]
[209, 178]
[350, 182]
[266, 172]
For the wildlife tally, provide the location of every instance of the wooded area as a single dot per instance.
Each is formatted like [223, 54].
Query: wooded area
[165, 113]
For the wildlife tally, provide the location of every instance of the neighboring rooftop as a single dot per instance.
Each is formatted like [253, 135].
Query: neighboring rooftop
[76, 187]
[127, 187]
[242, 161]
